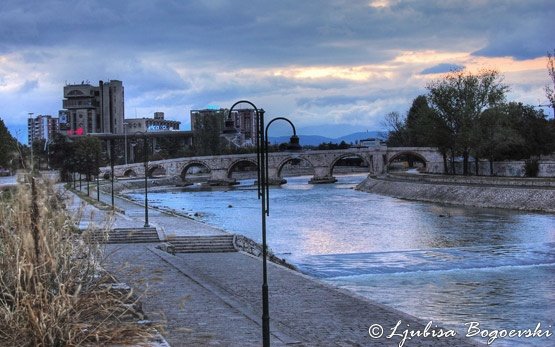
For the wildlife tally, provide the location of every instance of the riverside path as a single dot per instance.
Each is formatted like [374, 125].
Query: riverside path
[214, 299]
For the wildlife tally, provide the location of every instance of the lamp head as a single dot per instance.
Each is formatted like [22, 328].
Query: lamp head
[294, 144]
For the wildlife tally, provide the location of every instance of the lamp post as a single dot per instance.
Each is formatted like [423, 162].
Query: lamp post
[263, 196]
[145, 157]
[125, 124]
[112, 171]
[32, 137]
[97, 177]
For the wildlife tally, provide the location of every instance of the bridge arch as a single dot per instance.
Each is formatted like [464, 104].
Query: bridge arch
[294, 160]
[157, 170]
[129, 173]
[365, 160]
[197, 167]
[240, 165]
[411, 156]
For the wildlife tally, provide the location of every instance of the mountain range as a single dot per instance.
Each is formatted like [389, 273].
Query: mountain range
[315, 140]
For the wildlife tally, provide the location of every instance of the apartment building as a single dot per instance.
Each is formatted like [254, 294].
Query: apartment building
[41, 127]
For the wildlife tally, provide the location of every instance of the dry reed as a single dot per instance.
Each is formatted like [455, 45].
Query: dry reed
[53, 292]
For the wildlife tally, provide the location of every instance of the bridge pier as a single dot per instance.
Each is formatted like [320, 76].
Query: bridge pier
[322, 174]
[274, 179]
[218, 177]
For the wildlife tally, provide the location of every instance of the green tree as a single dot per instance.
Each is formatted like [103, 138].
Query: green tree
[494, 136]
[418, 110]
[207, 131]
[9, 148]
[459, 98]
[532, 125]
[88, 151]
[61, 155]
[433, 131]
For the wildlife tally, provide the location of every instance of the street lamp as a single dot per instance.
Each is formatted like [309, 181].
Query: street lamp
[263, 196]
[145, 156]
[125, 124]
[292, 146]
[111, 149]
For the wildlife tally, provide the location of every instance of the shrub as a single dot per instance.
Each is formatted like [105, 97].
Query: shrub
[531, 167]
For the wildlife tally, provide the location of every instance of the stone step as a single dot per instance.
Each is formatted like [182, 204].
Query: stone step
[201, 244]
[126, 235]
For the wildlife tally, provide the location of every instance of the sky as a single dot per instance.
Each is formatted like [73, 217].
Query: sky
[331, 66]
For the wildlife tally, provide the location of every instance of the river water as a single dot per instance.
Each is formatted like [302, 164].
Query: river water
[452, 265]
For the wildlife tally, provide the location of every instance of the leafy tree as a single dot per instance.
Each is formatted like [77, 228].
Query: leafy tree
[61, 153]
[418, 110]
[87, 155]
[433, 131]
[9, 148]
[206, 133]
[459, 98]
[531, 124]
[494, 136]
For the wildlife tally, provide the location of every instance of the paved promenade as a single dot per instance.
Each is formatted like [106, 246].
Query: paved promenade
[214, 299]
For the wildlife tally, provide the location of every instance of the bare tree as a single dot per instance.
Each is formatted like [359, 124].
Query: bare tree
[550, 89]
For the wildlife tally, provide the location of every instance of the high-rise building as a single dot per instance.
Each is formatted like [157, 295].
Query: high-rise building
[41, 127]
[238, 128]
[245, 123]
[94, 109]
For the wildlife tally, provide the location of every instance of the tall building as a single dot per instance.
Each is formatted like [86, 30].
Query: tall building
[237, 130]
[42, 127]
[94, 109]
[245, 123]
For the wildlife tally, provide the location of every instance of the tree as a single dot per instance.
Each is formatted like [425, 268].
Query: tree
[531, 124]
[87, 156]
[397, 130]
[549, 91]
[459, 98]
[9, 148]
[418, 110]
[494, 136]
[206, 133]
[61, 155]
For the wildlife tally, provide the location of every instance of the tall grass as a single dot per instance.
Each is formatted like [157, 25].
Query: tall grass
[52, 290]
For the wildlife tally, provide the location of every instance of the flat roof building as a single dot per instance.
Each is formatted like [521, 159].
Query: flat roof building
[94, 109]
[157, 123]
[42, 127]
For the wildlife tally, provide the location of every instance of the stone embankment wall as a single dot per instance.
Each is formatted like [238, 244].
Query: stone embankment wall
[500, 168]
[477, 192]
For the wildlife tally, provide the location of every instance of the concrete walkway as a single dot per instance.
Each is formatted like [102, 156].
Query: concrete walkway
[214, 299]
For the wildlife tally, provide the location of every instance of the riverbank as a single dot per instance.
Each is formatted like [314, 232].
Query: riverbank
[215, 298]
[536, 195]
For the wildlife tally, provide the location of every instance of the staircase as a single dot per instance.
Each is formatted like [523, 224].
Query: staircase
[201, 244]
[125, 235]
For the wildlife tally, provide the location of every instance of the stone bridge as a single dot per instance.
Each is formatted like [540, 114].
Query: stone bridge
[220, 168]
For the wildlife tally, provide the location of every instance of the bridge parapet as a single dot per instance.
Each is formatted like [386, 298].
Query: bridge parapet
[322, 162]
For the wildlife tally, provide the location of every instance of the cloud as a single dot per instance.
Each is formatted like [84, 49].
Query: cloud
[318, 61]
[28, 86]
[441, 68]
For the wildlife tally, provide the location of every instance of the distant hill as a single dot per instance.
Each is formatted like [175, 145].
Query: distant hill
[315, 140]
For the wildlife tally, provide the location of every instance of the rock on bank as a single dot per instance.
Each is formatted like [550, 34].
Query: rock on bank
[495, 194]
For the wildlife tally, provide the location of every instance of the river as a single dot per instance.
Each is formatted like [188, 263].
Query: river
[449, 264]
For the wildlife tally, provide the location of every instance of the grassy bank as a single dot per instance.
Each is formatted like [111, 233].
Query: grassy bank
[53, 290]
